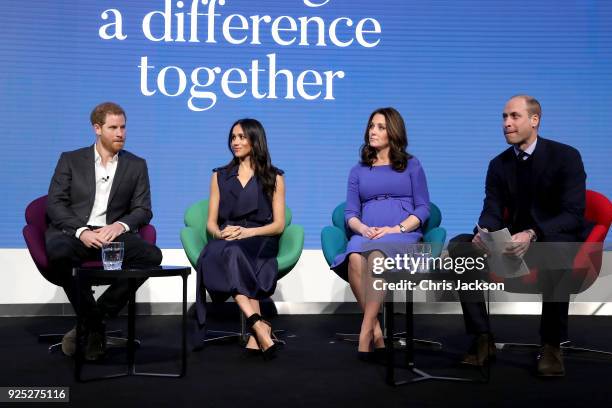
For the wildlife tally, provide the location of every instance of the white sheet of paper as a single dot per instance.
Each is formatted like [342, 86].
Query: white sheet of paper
[504, 266]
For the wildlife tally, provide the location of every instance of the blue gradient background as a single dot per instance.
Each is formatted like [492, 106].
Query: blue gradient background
[447, 66]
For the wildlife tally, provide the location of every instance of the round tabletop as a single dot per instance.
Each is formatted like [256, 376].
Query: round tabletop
[150, 272]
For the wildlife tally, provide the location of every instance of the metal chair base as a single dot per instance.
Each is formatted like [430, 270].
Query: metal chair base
[421, 376]
[399, 342]
[566, 348]
[242, 337]
[113, 339]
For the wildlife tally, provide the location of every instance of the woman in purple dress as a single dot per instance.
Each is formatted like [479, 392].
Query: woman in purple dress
[386, 203]
[246, 215]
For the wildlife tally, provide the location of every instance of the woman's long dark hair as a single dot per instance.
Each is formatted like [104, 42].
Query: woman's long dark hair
[398, 141]
[260, 156]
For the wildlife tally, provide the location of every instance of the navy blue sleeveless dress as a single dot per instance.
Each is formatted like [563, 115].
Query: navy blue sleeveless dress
[246, 266]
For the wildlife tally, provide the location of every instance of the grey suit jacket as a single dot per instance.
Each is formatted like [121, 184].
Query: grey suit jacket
[73, 189]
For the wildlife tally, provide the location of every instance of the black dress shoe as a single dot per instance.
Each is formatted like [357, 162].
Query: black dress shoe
[550, 361]
[481, 351]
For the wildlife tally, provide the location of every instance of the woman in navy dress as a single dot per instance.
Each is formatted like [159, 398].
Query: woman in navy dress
[246, 215]
[387, 202]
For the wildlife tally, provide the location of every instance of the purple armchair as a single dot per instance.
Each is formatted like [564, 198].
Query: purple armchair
[34, 235]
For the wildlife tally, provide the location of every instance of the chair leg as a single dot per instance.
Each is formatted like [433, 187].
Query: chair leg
[528, 346]
[118, 342]
[276, 336]
[55, 339]
[220, 336]
[113, 339]
[350, 337]
[515, 346]
[566, 348]
[399, 339]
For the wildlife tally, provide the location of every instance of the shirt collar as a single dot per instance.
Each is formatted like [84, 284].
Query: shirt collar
[529, 150]
[98, 158]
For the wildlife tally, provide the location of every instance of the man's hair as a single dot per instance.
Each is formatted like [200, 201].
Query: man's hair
[98, 114]
[533, 106]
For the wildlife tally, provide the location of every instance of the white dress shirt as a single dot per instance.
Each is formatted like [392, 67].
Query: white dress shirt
[529, 150]
[104, 181]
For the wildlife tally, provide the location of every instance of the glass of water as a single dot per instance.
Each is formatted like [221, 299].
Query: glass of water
[409, 251]
[422, 253]
[112, 255]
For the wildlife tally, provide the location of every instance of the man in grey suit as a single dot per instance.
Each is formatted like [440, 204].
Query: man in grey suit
[98, 194]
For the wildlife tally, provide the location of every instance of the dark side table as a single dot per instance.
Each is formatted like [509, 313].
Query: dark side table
[418, 374]
[84, 274]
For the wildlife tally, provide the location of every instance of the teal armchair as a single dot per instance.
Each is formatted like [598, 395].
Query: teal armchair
[334, 239]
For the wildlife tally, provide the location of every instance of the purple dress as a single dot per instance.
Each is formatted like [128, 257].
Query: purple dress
[380, 196]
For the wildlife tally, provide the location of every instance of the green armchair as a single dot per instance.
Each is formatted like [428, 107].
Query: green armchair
[194, 238]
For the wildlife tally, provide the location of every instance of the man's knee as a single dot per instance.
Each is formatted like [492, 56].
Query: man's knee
[155, 256]
[150, 255]
[61, 259]
[139, 252]
[145, 254]
[462, 238]
[460, 245]
[59, 254]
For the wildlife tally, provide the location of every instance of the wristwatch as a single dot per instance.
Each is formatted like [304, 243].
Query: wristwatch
[402, 228]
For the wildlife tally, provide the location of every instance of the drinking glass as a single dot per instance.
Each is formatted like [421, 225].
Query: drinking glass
[422, 253]
[112, 255]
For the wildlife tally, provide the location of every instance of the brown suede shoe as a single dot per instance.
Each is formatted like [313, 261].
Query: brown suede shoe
[69, 343]
[550, 361]
[481, 351]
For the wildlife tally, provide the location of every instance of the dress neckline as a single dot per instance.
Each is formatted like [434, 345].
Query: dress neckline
[245, 184]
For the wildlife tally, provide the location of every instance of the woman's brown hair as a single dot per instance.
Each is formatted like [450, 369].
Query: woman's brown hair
[398, 141]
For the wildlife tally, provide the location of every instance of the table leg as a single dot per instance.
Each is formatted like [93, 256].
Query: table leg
[131, 327]
[409, 329]
[184, 329]
[78, 354]
[390, 348]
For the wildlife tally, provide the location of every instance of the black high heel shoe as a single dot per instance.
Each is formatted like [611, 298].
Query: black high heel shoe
[252, 352]
[269, 352]
[378, 355]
